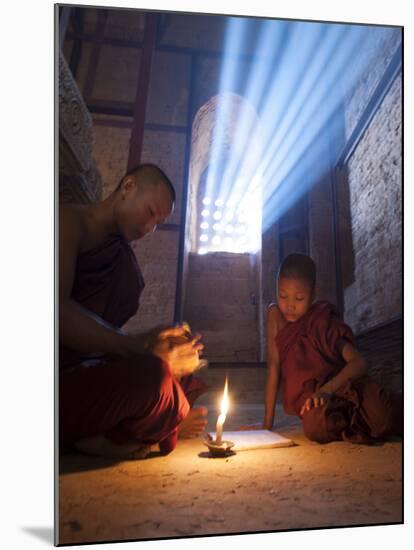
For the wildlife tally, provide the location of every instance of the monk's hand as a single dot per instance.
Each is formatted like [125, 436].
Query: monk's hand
[180, 329]
[183, 357]
[318, 399]
[165, 332]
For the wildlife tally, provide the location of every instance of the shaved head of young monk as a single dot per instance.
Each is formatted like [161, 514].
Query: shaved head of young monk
[144, 198]
[296, 286]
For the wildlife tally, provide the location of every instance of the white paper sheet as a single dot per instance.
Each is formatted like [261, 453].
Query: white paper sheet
[255, 439]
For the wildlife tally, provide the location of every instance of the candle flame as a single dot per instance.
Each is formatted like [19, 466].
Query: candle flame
[225, 401]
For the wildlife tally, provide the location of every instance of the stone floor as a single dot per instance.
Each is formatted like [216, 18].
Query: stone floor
[188, 493]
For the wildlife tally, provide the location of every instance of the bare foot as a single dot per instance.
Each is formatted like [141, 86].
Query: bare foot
[101, 446]
[193, 424]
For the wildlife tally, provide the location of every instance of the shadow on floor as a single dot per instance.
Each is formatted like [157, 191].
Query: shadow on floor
[72, 461]
[43, 533]
[77, 462]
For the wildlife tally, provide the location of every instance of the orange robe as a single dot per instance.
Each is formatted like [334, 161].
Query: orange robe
[310, 354]
[127, 400]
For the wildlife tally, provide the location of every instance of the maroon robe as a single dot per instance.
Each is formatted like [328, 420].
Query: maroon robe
[127, 400]
[310, 351]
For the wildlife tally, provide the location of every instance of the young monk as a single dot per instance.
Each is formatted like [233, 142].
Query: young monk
[119, 393]
[313, 358]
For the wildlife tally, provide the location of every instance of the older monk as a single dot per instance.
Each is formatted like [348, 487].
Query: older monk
[119, 394]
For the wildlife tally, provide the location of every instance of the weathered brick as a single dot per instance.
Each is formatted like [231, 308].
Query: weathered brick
[110, 151]
[117, 74]
[170, 71]
[374, 174]
[379, 47]
[221, 302]
[167, 150]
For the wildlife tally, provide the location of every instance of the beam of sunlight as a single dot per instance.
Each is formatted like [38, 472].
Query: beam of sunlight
[234, 35]
[316, 81]
[273, 39]
[301, 76]
[282, 86]
[315, 109]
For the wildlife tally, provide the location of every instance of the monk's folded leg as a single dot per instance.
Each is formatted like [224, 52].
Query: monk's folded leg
[193, 387]
[128, 401]
[326, 423]
[380, 408]
[196, 421]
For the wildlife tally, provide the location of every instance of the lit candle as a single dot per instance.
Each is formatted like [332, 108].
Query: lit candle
[222, 415]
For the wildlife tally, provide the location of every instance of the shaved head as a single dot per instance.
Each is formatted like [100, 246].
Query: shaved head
[150, 175]
[143, 200]
[299, 266]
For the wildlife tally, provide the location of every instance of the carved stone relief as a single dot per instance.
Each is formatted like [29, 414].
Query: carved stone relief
[79, 179]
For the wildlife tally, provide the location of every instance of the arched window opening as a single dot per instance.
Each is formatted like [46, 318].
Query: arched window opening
[225, 202]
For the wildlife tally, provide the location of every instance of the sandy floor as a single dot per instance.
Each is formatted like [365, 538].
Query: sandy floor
[188, 494]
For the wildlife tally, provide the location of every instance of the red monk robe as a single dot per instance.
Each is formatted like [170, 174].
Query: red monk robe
[127, 400]
[310, 355]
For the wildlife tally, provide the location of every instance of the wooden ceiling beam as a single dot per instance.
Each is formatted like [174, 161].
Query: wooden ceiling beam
[137, 134]
[95, 53]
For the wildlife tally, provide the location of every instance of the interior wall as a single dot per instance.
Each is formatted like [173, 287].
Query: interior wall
[378, 51]
[374, 293]
[222, 303]
[269, 264]
[322, 235]
[111, 153]
[370, 199]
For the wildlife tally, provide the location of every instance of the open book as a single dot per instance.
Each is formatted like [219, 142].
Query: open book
[255, 439]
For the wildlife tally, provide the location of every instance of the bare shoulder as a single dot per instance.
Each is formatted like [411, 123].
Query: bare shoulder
[71, 214]
[72, 222]
[272, 329]
[273, 311]
[275, 316]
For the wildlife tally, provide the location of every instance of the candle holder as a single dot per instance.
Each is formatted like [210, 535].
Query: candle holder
[218, 449]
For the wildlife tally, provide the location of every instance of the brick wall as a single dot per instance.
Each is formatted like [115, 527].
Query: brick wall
[157, 256]
[222, 303]
[321, 238]
[374, 175]
[111, 154]
[378, 49]
[167, 150]
[168, 92]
